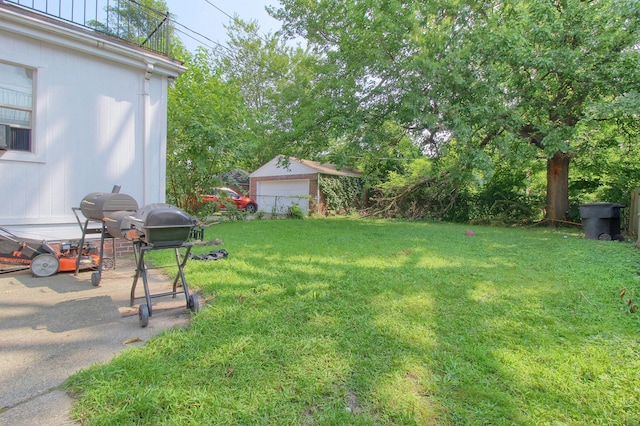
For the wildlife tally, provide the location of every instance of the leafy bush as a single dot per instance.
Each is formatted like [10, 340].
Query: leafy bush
[341, 193]
[295, 212]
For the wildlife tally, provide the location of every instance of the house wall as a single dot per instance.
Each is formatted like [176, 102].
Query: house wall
[99, 120]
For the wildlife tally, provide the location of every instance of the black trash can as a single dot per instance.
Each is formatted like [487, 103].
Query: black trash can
[601, 221]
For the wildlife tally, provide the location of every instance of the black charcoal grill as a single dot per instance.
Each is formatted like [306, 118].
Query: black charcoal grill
[157, 226]
[101, 207]
[154, 226]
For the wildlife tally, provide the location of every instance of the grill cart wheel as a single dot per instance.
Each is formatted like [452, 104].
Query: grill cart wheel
[194, 303]
[44, 265]
[95, 279]
[143, 315]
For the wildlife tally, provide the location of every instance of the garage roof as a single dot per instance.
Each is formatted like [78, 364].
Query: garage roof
[300, 167]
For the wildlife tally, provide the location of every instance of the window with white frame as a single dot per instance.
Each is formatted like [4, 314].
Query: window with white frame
[16, 107]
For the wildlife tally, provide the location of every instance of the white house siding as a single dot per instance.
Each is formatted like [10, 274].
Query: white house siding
[99, 120]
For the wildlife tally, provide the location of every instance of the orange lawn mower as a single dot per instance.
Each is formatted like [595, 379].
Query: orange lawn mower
[42, 258]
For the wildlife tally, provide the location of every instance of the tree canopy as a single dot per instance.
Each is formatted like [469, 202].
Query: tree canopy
[206, 126]
[274, 79]
[515, 77]
[489, 94]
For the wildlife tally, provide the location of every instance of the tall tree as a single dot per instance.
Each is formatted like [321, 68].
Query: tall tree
[205, 129]
[489, 74]
[274, 80]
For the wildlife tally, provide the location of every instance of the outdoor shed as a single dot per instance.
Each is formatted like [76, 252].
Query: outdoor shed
[279, 184]
[82, 109]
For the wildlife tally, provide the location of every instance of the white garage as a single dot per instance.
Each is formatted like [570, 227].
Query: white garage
[286, 181]
[278, 196]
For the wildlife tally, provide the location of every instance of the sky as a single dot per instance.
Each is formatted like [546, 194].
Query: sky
[208, 17]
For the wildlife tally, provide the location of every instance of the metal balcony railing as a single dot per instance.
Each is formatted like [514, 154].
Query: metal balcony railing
[122, 19]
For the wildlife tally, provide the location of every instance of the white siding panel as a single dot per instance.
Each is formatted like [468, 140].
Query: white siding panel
[278, 196]
[97, 123]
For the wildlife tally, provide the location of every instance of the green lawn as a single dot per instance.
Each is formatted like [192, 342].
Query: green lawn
[362, 322]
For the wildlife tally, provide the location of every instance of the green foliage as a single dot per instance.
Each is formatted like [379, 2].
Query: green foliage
[205, 116]
[274, 81]
[466, 80]
[294, 211]
[606, 166]
[470, 87]
[383, 149]
[513, 194]
[369, 322]
[495, 206]
[423, 191]
[231, 111]
[342, 194]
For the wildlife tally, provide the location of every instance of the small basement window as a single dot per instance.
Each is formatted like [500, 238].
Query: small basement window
[16, 107]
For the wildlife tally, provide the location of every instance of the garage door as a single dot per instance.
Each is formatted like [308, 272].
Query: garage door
[278, 196]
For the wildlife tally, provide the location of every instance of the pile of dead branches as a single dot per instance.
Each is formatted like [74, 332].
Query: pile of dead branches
[428, 197]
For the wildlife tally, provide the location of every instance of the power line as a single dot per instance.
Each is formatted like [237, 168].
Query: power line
[223, 12]
[230, 51]
[200, 35]
[233, 18]
[193, 38]
[227, 48]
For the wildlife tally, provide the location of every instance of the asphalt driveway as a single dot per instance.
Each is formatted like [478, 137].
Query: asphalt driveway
[52, 327]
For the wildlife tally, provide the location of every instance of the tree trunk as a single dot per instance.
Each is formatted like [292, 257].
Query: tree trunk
[557, 188]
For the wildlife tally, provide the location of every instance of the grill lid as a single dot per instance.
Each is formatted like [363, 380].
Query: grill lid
[160, 215]
[98, 205]
[159, 224]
